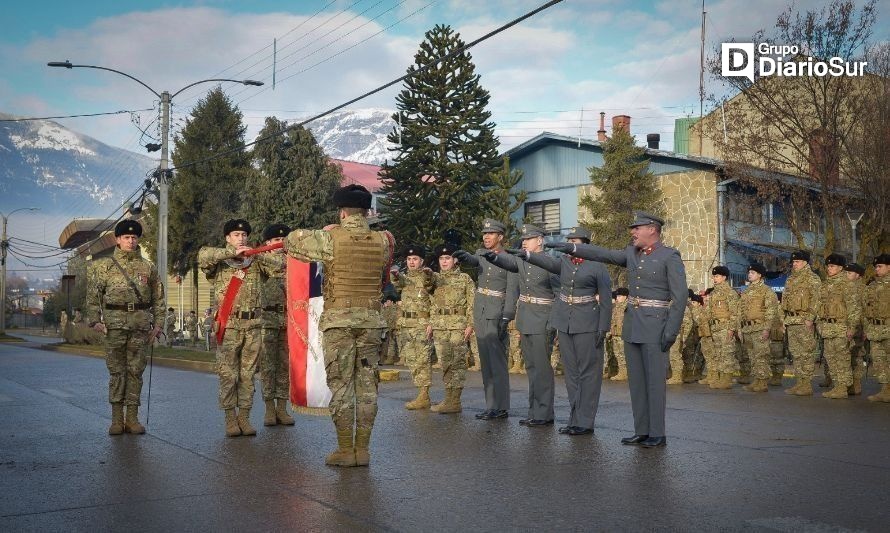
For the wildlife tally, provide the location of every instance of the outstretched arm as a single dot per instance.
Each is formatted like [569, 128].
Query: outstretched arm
[548, 263]
[502, 260]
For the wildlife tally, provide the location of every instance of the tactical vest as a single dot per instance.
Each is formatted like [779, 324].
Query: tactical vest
[704, 328]
[353, 278]
[754, 308]
[719, 309]
[833, 306]
[797, 296]
[877, 302]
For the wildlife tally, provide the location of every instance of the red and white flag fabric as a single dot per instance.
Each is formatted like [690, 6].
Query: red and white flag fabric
[308, 382]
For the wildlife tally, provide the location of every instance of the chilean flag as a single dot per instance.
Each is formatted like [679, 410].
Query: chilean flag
[308, 382]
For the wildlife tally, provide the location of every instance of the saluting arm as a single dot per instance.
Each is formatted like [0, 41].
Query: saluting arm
[591, 252]
[502, 260]
[548, 263]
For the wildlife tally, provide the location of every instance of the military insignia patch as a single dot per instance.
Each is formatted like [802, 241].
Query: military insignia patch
[143, 279]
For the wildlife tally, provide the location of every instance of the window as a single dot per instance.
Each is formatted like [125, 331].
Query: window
[744, 209]
[544, 214]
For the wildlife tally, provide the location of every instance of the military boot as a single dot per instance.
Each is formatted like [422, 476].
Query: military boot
[517, 367]
[676, 378]
[422, 401]
[836, 393]
[805, 388]
[344, 455]
[451, 404]
[775, 379]
[620, 376]
[724, 381]
[856, 388]
[281, 414]
[232, 429]
[826, 381]
[362, 446]
[244, 422]
[744, 379]
[794, 388]
[132, 424]
[759, 385]
[882, 396]
[710, 377]
[269, 416]
[117, 419]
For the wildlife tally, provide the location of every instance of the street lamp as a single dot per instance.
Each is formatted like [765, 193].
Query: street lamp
[854, 216]
[4, 244]
[163, 190]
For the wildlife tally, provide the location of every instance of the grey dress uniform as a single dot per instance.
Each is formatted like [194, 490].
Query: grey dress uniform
[658, 292]
[581, 323]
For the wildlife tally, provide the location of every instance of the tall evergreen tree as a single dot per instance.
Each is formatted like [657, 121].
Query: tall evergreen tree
[296, 181]
[447, 150]
[504, 200]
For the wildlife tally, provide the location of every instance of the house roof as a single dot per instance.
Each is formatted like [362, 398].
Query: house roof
[81, 230]
[360, 173]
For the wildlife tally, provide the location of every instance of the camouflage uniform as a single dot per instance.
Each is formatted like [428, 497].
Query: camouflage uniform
[838, 314]
[191, 325]
[414, 316]
[876, 317]
[799, 303]
[702, 319]
[777, 350]
[207, 330]
[758, 309]
[389, 347]
[723, 312]
[692, 361]
[473, 362]
[451, 313]
[676, 351]
[617, 342]
[275, 359]
[514, 353]
[169, 327]
[857, 344]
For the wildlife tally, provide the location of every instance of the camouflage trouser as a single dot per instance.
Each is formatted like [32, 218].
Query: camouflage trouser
[415, 352]
[777, 357]
[473, 351]
[389, 347]
[193, 337]
[275, 364]
[556, 357]
[676, 358]
[125, 358]
[758, 351]
[724, 351]
[514, 354]
[707, 353]
[744, 360]
[880, 359]
[350, 357]
[857, 357]
[236, 362]
[836, 351]
[618, 350]
[802, 345]
[451, 348]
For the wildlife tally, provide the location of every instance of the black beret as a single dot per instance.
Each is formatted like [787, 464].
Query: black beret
[883, 259]
[413, 249]
[352, 196]
[622, 291]
[445, 249]
[690, 292]
[236, 224]
[709, 290]
[757, 267]
[275, 230]
[855, 267]
[698, 298]
[836, 260]
[720, 271]
[128, 227]
[801, 255]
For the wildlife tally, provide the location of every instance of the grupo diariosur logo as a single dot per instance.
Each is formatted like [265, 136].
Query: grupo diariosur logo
[738, 60]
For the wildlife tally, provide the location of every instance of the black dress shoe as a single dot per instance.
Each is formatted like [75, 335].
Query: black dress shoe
[483, 415]
[575, 430]
[535, 422]
[563, 430]
[636, 439]
[654, 442]
[497, 413]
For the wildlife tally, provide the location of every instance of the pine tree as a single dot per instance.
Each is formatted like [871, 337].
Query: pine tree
[296, 181]
[447, 149]
[504, 201]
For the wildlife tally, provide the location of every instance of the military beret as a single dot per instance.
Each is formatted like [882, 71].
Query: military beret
[413, 249]
[275, 230]
[490, 225]
[720, 271]
[855, 267]
[445, 249]
[709, 290]
[690, 292]
[237, 224]
[579, 233]
[757, 267]
[836, 260]
[622, 291]
[800, 255]
[352, 196]
[128, 227]
[530, 231]
[698, 298]
[883, 259]
[644, 219]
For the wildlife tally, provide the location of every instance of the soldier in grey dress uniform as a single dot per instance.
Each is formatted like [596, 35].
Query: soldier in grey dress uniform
[493, 308]
[582, 315]
[537, 287]
[657, 285]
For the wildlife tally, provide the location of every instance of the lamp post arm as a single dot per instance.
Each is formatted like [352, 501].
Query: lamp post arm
[243, 82]
[137, 80]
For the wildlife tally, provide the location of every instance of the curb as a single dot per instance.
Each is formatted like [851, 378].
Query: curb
[183, 364]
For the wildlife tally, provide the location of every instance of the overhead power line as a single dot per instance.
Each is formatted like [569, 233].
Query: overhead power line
[121, 112]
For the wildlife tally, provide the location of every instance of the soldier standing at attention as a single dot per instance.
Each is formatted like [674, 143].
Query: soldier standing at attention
[616, 332]
[390, 311]
[207, 326]
[274, 358]
[536, 291]
[356, 260]
[658, 293]
[581, 316]
[415, 287]
[125, 302]
[723, 311]
[676, 353]
[451, 325]
[494, 306]
[799, 303]
[169, 326]
[706, 341]
[837, 319]
[238, 287]
[758, 309]
[877, 324]
[191, 325]
[854, 273]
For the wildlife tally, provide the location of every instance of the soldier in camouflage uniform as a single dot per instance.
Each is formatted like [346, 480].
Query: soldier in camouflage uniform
[355, 261]
[702, 318]
[389, 346]
[854, 273]
[614, 334]
[723, 312]
[237, 355]
[169, 326]
[414, 288]
[125, 301]
[692, 358]
[191, 325]
[274, 358]
[676, 353]
[451, 324]
[207, 327]
[473, 362]
[799, 304]
[758, 309]
[876, 313]
[837, 318]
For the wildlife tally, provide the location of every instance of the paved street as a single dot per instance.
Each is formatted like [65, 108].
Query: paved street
[734, 461]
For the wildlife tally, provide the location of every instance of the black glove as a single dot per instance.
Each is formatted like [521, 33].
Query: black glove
[564, 247]
[600, 338]
[465, 257]
[502, 327]
[522, 254]
[666, 344]
[490, 256]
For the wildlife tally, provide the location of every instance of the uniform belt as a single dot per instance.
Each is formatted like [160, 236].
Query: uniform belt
[636, 301]
[414, 314]
[277, 308]
[534, 300]
[245, 315]
[577, 299]
[877, 321]
[450, 312]
[793, 313]
[128, 307]
[751, 322]
[489, 292]
[829, 320]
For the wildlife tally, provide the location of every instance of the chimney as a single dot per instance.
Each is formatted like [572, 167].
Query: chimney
[620, 121]
[601, 133]
[652, 139]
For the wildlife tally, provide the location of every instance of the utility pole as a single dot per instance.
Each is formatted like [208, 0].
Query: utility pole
[4, 244]
[164, 192]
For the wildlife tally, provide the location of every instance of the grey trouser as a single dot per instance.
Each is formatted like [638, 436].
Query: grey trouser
[536, 355]
[583, 365]
[492, 343]
[647, 370]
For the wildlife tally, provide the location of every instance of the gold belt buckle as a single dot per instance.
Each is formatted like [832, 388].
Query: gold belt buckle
[131, 306]
[636, 302]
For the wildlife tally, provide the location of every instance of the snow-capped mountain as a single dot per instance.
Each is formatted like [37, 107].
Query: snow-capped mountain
[355, 135]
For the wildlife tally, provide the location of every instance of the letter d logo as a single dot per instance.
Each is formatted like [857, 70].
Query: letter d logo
[737, 59]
